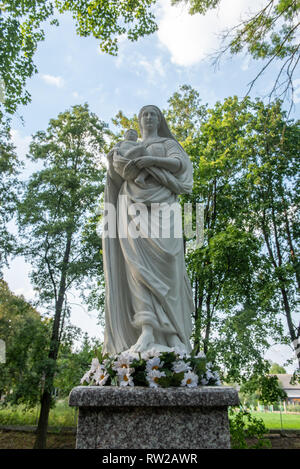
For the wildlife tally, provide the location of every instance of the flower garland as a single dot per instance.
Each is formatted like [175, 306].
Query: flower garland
[153, 369]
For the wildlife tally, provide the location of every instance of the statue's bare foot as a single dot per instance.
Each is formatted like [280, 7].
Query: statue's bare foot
[145, 341]
[174, 341]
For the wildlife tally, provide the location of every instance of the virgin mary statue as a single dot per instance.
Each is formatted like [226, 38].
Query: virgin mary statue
[149, 301]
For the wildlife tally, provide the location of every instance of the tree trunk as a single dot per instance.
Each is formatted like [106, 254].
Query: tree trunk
[40, 442]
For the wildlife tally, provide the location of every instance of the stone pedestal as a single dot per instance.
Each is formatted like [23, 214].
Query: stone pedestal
[153, 418]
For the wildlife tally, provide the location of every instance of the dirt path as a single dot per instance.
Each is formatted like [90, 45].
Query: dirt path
[25, 440]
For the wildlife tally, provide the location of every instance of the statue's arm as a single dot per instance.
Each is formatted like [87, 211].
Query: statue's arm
[124, 167]
[172, 162]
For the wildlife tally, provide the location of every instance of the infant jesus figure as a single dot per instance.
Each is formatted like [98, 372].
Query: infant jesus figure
[129, 148]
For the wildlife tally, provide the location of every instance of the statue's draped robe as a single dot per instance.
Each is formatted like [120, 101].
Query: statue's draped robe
[145, 277]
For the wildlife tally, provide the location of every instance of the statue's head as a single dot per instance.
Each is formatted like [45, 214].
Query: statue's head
[131, 134]
[149, 116]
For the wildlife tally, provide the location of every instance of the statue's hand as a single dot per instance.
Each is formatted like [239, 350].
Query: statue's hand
[144, 162]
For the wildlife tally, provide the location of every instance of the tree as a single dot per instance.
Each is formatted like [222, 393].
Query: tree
[231, 323]
[25, 334]
[21, 30]
[267, 389]
[271, 34]
[273, 201]
[276, 369]
[73, 363]
[246, 162]
[53, 217]
[9, 167]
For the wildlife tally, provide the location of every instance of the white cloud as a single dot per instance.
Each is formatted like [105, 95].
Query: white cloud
[190, 38]
[54, 81]
[154, 69]
[140, 64]
[21, 143]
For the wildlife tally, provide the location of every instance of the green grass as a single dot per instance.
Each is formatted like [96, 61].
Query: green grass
[61, 416]
[272, 420]
[64, 416]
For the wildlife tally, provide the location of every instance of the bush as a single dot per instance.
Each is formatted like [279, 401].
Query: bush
[244, 426]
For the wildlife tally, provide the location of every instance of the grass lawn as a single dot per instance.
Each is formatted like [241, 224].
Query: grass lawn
[272, 420]
[64, 416]
[61, 416]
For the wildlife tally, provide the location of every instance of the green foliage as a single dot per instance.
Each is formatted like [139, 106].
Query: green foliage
[9, 168]
[296, 377]
[107, 21]
[72, 364]
[271, 33]
[276, 369]
[243, 425]
[20, 33]
[199, 6]
[21, 30]
[59, 201]
[54, 218]
[60, 416]
[26, 334]
[267, 389]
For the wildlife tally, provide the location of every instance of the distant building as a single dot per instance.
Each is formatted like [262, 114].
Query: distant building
[292, 390]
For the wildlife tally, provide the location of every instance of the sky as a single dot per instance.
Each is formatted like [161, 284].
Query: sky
[73, 70]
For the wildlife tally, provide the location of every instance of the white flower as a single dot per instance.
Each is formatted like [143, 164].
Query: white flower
[86, 377]
[180, 366]
[203, 381]
[150, 354]
[125, 378]
[154, 364]
[153, 376]
[123, 361]
[190, 380]
[209, 375]
[100, 376]
[181, 352]
[106, 362]
[200, 355]
[94, 365]
[216, 377]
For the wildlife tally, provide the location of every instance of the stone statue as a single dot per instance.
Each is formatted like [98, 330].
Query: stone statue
[149, 300]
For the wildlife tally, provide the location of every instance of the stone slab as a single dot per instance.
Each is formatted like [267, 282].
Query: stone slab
[147, 418]
[97, 396]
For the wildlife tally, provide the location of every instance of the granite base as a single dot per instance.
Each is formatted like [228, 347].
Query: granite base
[153, 418]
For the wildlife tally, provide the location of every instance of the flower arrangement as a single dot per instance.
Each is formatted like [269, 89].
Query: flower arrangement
[153, 369]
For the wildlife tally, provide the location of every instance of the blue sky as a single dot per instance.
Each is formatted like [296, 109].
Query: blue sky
[72, 70]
